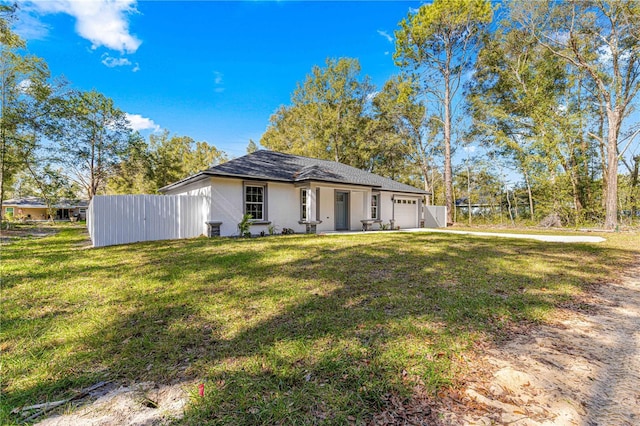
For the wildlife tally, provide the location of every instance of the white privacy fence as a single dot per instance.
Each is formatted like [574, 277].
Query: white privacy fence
[435, 216]
[121, 219]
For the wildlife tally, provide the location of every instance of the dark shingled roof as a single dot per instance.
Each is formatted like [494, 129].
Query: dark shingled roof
[276, 166]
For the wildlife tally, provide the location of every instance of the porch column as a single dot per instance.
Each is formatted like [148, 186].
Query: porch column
[366, 200]
[311, 204]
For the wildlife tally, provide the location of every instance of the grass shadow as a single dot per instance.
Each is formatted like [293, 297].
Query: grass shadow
[297, 329]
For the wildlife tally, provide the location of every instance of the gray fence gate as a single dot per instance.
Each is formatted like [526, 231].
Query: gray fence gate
[435, 216]
[121, 219]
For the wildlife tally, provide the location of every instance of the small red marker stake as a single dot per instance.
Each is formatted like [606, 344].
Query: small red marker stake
[201, 389]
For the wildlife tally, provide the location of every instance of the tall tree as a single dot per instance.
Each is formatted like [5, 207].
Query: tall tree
[405, 131]
[26, 105]
[252, 147]
[527, 105]
[327, 116]
[176, 157]
[201, 157]
[438, 42]
[602, 39]
[95, 136]
[134, 172]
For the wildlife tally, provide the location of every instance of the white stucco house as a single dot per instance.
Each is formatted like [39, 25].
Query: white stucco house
[300, 193]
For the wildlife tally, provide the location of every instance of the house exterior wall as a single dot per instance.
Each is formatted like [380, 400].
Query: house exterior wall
[386, 207]
[356, 210]
[327, 209]
[200, 188]
[284, 202]
[80, 211]
[32, 213]
[39, 213]
[226, 205]
[224, 202]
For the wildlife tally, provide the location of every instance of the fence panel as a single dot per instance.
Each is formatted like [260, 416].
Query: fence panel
[435, 216]
[121, 219]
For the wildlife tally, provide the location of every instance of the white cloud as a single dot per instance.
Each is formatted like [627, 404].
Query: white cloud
[28, 26]
[102, 22]
[386, 35]
[25, 85]
[112, 62]
[136, 67]
[138, 122]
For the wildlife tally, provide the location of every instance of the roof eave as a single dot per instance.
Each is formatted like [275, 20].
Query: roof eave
[193, 178]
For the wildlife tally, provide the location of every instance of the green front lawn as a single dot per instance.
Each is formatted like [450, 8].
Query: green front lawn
[292, 329]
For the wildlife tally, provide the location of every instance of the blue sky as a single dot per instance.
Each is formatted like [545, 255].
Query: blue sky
[211, 70]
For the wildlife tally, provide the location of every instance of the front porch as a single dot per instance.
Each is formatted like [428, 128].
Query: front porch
[336, 208]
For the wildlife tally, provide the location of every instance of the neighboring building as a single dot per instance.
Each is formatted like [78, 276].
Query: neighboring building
[304, 194]
[34, 208]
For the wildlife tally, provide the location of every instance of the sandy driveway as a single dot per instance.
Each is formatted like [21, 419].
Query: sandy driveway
[538, 237]
[582, 370]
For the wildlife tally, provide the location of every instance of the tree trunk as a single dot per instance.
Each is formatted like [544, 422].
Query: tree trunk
[611, 194]
[634, 188]
[529, 194]
[509, 207]
[3, 160]
[469, 193]
[3, 145]
[577, 206]
[448, 179]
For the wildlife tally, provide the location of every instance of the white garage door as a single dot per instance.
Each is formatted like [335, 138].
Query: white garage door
[406, 212]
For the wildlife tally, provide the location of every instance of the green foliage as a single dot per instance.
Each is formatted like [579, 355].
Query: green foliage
[165, 159]
[404, 134]
[327, 116]
[251, 147]
[440, 31]
[244, 226]
[94, 138]
[176, 157]
[28, 102]
[134, 173]
[437, 44]
[599, 41]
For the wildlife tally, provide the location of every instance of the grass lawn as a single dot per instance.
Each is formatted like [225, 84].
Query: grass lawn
[291, 329]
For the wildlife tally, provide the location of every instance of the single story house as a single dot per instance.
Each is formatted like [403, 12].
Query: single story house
[300, 193]
[34, 208]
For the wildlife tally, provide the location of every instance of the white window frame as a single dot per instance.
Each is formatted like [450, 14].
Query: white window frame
[304, 204]
[375, 206]
[263, 203]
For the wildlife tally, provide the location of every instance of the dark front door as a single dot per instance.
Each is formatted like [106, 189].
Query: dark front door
[342, 210]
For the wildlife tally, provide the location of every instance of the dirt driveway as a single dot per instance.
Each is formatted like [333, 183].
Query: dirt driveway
[582, 370]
